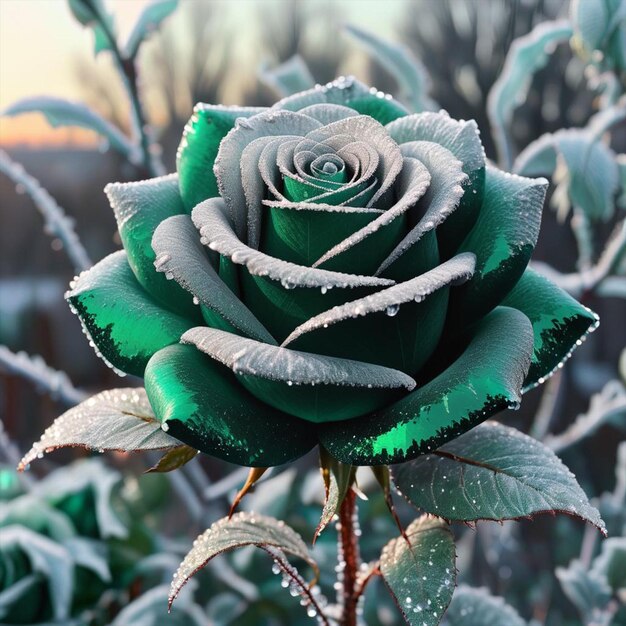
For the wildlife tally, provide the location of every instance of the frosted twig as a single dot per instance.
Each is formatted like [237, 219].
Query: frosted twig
[55, 383]
[56, 222]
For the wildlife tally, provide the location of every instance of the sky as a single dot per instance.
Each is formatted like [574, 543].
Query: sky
[41, 46]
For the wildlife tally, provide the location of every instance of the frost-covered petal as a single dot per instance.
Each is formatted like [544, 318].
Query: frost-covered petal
[560, 323]
[462, 138]
[280, 294]
[126, 325]
[503, 239]
[327, 112]
[310, 386]
[486, 378]
[440, 201]
[397, 327]
[180, 255]
[227, 163]
[139, 207]
[198, 148]
[199, 402]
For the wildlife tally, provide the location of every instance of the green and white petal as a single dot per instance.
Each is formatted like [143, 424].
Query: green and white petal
[181, 255]
[486, 378]
[397, 327]
[139, 207]
[199, 402]
[560, 323]
[124, 323]
[310, 386]
[503, 240]
[198, 149]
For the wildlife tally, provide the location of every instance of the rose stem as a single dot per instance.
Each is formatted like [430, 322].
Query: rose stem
[349, 558]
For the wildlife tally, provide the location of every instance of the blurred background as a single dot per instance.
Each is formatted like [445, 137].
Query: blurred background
[216, 52]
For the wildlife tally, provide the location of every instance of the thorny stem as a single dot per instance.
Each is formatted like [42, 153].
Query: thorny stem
[349, 559]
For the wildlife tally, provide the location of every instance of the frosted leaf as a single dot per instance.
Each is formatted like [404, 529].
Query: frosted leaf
[441, 198]
[460, 268]
[477, 607]
[116, 419]
[227, 172]
[493, 472]
[327, 113]
[420, 572]
[181, 254]
[413, 183]
[289, 77]
[245, 356]
[367, 129]
[59, 113]
[147, 23]
[242, 529]
[210, 219]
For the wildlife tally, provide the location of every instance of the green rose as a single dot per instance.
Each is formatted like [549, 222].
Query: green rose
[360, 274]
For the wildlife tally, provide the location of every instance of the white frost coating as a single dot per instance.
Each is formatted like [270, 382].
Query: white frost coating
[453, 272]
[442, 196]
[341, 91]
[413, 182]
[129, 199]
[246, 130]
[327, 113]
[211, 220]
[461, 137]
[116, 419]
[254, 183]
[179, 253]
[246, 356]
[367, 129]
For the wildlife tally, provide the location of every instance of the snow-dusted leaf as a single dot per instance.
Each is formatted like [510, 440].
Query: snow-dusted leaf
[420, 572]
[588, 591]
[47, 559]
[472, 606]
[56, 221]
[611, 563]
[310, 386]
[289, 77]
[116, 419]
[527, 55]
[410, 74]
[242, 529]
[493, 472]
[93, 13]
[174, 458]
[606, 118]
[149, 20]
[60, 112]
[90, 554]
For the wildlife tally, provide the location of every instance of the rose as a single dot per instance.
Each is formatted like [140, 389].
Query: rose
[361, 275]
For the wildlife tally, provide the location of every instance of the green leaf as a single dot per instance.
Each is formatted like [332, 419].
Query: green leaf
[200, 402]
[560, 323]
[527, 55]
[477, 607]
[584, 166]
[462, 139]
[59, 113]
[174, 458]
[198, 148]
[126, 325]
[588, 591]
[289, 77]
[242, 529]
[397, 327]
[611, 563]
[140, 207]
[38, 516]
[116, 419]
[181, 256]
[93, 13]
[149, 21]
[493, 472]
[486, 378]
[502, 239]
[421, 574]
[411, 75]
[310, 386]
